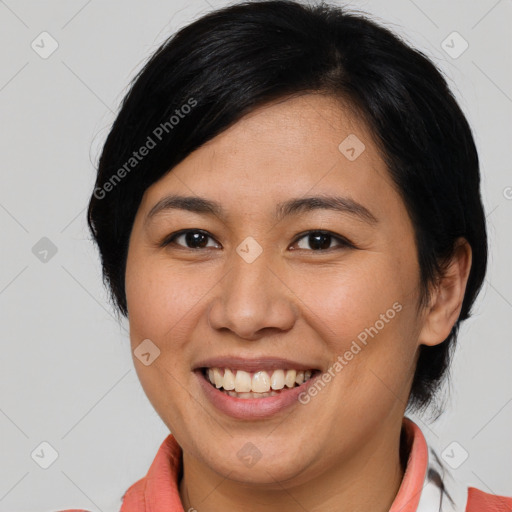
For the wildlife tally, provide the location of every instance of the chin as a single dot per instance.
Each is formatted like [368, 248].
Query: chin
[264, 466]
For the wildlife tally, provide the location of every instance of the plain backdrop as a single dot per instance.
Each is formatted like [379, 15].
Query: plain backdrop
[66, 370]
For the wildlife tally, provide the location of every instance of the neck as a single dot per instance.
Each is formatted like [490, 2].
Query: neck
[369, 480]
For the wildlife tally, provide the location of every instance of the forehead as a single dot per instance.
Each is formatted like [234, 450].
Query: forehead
[305, 145]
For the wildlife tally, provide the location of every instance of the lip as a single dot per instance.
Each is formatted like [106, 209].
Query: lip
[252, 408]
[252, 365]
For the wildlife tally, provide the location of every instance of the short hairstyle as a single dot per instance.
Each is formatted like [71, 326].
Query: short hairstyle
[227, 63]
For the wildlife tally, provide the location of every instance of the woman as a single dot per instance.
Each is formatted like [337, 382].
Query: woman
[288, 212]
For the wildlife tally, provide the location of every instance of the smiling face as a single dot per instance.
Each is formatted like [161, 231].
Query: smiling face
[255, 286]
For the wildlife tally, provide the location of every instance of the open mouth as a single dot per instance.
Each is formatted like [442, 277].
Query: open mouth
[259, 384]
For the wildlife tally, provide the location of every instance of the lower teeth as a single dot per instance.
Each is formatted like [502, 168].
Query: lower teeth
[250, 394]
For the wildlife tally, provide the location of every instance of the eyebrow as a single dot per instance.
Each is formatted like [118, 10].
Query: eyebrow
[291, 207]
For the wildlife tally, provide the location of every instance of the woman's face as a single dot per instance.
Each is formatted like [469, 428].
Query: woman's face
[255, 288]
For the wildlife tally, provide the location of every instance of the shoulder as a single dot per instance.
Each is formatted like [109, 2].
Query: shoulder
[480, 501]
[133, 498]
[441, 489]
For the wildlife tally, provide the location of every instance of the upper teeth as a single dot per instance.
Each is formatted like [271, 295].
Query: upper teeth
[258, 382]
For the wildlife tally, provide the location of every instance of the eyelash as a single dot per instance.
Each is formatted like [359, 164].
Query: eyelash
[343, 242]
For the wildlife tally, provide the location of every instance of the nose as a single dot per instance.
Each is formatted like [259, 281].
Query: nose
[252, 301]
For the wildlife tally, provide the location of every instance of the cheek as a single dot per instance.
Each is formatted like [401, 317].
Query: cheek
[161, 302]
[161, 298]
[366, 313]
[346, 300]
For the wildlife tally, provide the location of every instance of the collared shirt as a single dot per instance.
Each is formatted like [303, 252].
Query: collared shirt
[427, 485]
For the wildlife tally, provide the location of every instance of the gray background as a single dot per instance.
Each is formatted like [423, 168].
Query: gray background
[67, 373]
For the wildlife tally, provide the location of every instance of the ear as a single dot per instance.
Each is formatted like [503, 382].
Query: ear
[447, 296]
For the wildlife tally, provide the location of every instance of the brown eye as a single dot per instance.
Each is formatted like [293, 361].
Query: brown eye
[321, 241]
[189, 239]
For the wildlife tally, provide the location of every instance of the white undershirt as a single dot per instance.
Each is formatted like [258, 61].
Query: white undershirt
[442, 492]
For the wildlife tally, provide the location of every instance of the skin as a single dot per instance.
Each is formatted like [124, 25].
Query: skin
[339, 452]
